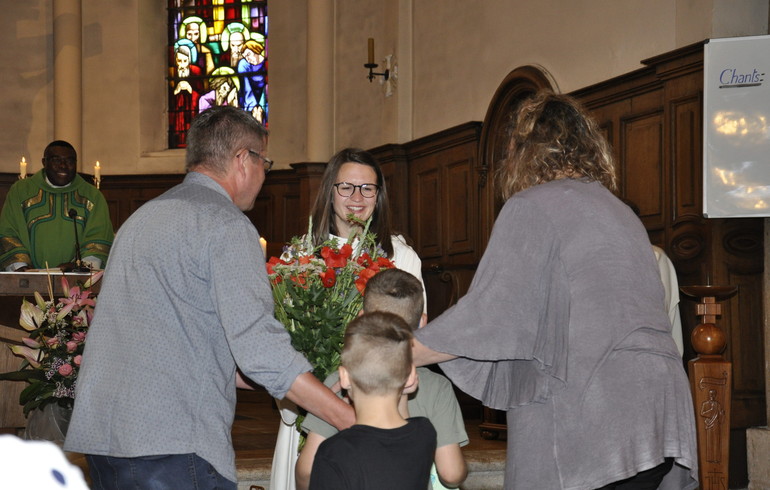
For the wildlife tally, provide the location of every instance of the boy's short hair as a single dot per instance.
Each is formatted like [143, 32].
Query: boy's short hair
[377, 352]
[395, 291]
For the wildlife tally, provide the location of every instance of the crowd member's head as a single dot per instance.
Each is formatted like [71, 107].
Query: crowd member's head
[552, 137]
[352, 184]
[377, 355]
[228, 143]
[396, 291]
[60, 162]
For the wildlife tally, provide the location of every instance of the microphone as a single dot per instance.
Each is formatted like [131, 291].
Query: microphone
[79, 267]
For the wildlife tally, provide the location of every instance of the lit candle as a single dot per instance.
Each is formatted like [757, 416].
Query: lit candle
[263, 244]
[23, 168]
[371, 50]
[97, 171]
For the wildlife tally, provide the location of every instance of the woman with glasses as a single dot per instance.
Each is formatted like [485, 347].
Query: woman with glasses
[352, 184]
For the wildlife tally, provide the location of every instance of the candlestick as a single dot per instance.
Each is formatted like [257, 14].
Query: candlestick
[23, 168]
[97, 175]
[371, 50]
[263, 244]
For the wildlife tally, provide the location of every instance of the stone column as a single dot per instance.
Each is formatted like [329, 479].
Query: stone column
[320, 80]
[67, 72]
[758, 438]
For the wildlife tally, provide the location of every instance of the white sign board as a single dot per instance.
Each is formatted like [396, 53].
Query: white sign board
[736, 127]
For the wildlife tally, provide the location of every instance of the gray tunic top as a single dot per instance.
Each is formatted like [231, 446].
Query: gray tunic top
[185, 298]
[564, 327]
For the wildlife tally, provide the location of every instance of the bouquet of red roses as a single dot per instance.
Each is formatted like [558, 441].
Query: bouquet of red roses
[318, 290]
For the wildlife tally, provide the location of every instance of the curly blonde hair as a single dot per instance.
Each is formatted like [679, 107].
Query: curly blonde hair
[551, 137]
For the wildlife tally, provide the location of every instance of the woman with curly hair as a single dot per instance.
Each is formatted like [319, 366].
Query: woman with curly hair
[564, 326]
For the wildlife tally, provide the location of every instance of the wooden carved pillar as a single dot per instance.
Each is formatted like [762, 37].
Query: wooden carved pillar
[711, 384]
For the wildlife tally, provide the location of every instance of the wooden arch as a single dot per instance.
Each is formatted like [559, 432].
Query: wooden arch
[517, 86]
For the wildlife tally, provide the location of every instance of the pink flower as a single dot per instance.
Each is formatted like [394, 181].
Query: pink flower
[78, 359]
[66, 369]
[52, 342]
[75, 297]
[72, 346]
[79, 336]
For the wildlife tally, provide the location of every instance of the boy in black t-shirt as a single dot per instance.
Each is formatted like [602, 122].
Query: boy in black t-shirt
[383, 450]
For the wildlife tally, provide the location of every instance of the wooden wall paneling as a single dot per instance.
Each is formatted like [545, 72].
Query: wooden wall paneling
[641, 166]
[307, 177]
[127, 193]
[609, 117]
[6, 181]
[116, 212]
[395, 168]
[427, 228]
[264, 214]
[686, 153]
[459, 207]
[437, 166]
[277, 214]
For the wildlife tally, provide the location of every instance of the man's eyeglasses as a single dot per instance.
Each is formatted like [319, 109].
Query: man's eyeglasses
[266, 162]
[346, 189]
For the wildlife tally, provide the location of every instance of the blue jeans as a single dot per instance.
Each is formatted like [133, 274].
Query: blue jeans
[164, 472]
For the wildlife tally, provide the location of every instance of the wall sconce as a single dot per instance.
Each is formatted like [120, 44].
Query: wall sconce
[372, 65]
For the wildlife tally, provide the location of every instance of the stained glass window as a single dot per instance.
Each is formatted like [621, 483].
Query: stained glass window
[217, 55]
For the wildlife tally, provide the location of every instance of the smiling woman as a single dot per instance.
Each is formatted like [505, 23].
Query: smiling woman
[352, 191]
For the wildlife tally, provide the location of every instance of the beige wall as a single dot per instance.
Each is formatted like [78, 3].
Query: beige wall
[452, 55]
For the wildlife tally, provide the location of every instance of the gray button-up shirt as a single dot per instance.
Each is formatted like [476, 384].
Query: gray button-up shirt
[185, 298]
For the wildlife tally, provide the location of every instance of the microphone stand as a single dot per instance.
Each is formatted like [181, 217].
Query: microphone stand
[79, 267]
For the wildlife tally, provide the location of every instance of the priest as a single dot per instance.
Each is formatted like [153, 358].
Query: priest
[40, 214]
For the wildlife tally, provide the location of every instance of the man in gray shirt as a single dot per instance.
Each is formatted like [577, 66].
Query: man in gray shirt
[184, 301]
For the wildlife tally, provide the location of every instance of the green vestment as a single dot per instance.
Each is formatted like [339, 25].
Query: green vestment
[35, 226]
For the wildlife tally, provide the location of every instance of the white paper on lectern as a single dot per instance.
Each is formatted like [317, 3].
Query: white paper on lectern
[736, 127]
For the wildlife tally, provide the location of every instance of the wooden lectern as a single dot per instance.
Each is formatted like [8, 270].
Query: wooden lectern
[711, 384]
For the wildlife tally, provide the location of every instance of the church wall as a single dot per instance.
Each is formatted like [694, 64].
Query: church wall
[26, 104]
[455, 54]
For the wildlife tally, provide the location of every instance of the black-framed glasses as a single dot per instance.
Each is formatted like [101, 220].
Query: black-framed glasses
[346, 189]
[266, 162]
